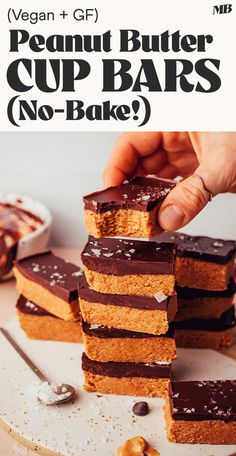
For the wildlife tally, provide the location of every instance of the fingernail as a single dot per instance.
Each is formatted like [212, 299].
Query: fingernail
[171, 218]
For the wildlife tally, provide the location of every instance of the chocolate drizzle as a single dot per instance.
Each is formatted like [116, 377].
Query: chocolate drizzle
[53, 273]
[201, 247]
[226, 321]
[141, 193]
[203, 400]
[103, 332]
[123, 256]
[119, 370]
[136, 302]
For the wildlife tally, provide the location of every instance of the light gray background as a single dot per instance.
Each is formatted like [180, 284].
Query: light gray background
[58, 168]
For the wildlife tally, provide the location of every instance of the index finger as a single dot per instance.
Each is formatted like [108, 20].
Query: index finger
[129, 149]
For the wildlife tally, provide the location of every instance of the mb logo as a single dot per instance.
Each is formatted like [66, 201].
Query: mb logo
[222, 9]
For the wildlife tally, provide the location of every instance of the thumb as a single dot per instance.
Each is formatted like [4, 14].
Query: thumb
[184, 202]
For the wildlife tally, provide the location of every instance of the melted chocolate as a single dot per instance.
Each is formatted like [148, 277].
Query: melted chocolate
[8, 249]
[195, 293]
[29, 308]
[226, 321]
[203, 400]
[201, 247]
[136, 302]
[123, 256]
[108, 333]
[15, 223]
[142, 194]
[119, 370]
[53, 273]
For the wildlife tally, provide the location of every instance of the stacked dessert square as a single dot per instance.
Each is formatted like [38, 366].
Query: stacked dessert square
[205, 288]
[48, 305]
[127, 293]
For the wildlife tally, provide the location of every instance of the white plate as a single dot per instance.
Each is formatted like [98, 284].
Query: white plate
[92, 426]
[36, 241]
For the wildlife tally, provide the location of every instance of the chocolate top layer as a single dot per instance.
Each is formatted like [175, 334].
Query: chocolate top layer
[157, 302]
[201, 247]
[28, 307]
[109, 333]
[52, 272]
[226, 321]
[203, 400]
[111, 369]
[124, 257]
[141, 193]
[195, 293]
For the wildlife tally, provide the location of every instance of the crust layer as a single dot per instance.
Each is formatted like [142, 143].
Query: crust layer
[214, 432]
[150, 387]
[194, 273]
[152, 349]
[122, 222]
[34, 292]
[195, 338]
[140, 284]
[50, 328]
[120, 317]
[206, 308]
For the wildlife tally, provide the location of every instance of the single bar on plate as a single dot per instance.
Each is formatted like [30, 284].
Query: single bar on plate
[204, 304]
[37, 323]
[51, 283]
[122, 266]
[118, 345]
[130, 209]
[203, 333]
[132, 379]
[145, 314]
[202, 262]
[201, 412]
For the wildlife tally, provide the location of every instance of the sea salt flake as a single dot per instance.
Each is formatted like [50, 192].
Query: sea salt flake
[96, 252]
[218, 244]
[36, 269]
[31, 305]
[160, 297]
[94, 326]
[145, 197]
[108, 255]
[77, 273]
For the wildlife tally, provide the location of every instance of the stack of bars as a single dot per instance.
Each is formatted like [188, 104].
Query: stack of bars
[48, 305]
[205, 288]
[127, 294]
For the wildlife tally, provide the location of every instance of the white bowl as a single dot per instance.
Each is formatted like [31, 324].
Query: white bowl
[36, 241]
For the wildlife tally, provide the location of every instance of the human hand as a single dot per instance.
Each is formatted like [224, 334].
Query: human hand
[206, 161]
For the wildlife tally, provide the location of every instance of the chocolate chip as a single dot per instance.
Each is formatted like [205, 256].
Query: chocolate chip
[141, 408]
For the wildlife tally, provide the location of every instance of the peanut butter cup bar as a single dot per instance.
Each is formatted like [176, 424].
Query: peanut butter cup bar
[51, 283]
[128, 210]
[118, 345]
[39, 324]
[147, 314]
[132, 379]
[196, 303]
[202, 262]
[201, 412]
[121, 266]
[206, 333]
